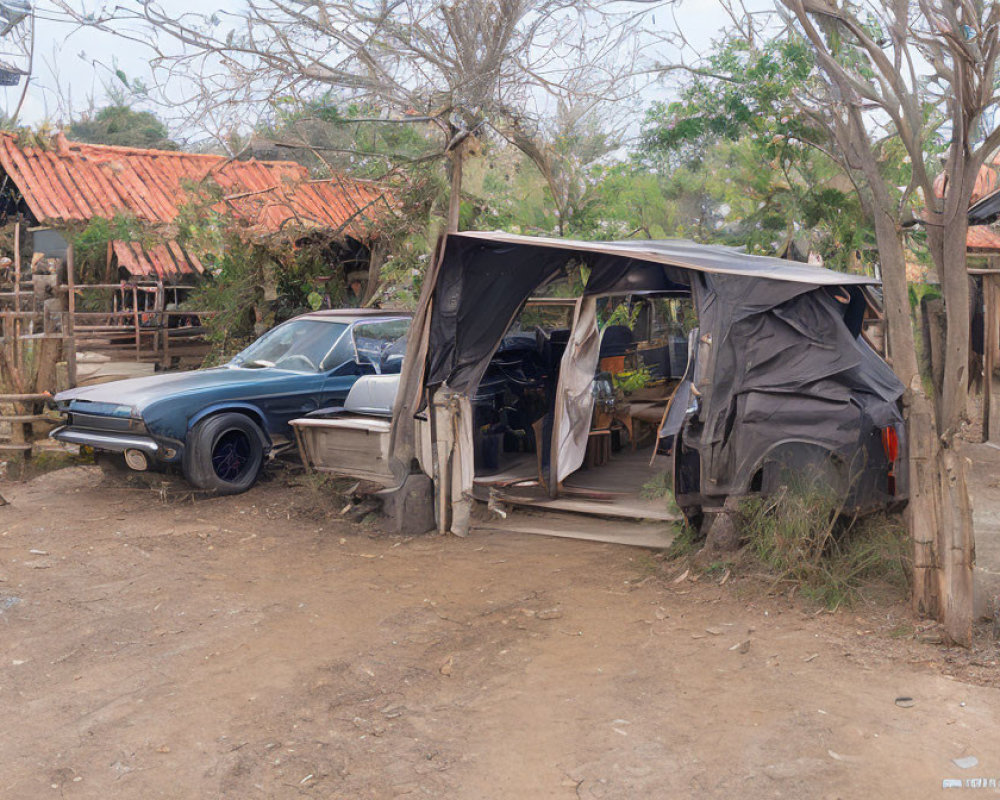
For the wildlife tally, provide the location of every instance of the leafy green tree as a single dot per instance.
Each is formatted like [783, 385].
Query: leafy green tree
[328, 134]
[733, 141]
[120, 124]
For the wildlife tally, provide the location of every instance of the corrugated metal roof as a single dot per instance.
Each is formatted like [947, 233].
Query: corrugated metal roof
[167, 262]
[74, 181]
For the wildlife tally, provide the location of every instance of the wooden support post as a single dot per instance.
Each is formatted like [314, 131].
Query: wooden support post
[990, 330]
[107, 264]
[69, 326]
[135, 319]
[17, 292]
[992, 342]
[47, 354]
[160, 335]
[166, 341]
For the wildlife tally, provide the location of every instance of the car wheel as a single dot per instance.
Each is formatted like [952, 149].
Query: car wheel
[224, 454]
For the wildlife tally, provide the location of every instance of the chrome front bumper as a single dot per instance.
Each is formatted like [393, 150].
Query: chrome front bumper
[116, 442]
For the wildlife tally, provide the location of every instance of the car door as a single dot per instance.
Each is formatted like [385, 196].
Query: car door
[293, 391]
[682, 404]
[289, 397]
[371, 347]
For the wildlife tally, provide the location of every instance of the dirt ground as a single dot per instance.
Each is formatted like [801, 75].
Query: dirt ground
[156, 646]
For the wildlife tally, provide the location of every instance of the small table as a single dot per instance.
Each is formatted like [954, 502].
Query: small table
[603, 420]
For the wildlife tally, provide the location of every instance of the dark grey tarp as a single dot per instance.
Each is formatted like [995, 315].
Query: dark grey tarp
[484, 279]
[986, 210]
[782, 366]
[780, 357]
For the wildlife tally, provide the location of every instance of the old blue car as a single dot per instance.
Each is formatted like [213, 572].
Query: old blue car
[220, 424]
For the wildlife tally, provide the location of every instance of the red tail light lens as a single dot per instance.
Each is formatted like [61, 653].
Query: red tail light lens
[890, 443]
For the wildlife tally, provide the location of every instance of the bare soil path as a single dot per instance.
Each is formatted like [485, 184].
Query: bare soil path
[257, 647]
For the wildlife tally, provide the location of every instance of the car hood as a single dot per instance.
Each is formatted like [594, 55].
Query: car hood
[141, 392]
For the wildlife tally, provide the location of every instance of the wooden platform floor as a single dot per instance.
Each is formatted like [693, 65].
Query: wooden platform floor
[616, 488]
[575, 526]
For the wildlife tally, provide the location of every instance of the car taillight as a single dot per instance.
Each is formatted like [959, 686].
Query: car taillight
[890, 443]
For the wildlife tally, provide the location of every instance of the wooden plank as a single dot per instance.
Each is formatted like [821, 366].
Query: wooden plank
[125, 315]
[83, 287]
[23, 398]
[70, 345]
[621, 509]
[30, 315]
[573, 526]
[96, 345]
[35, 337]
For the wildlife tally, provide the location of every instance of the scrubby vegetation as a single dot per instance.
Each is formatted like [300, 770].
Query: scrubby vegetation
[800, 537]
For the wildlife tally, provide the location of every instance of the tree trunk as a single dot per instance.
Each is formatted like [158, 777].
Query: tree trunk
[922, 511]
[956, 541]
[947, 245]
[956, 546]
[376, 258]
[455, 199]
[939, 514]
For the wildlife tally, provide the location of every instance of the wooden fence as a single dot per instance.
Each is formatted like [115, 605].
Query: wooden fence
[45, 341]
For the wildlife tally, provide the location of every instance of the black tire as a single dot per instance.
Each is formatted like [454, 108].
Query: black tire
[224, 454]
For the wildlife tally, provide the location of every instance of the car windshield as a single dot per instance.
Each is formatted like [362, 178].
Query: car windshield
[302, 345]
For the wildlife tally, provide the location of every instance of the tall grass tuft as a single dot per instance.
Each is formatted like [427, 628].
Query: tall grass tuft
[799, 536]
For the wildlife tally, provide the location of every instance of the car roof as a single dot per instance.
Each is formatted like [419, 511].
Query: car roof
[354, 314]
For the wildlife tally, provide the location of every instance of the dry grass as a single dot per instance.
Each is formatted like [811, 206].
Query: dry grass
[800, 537]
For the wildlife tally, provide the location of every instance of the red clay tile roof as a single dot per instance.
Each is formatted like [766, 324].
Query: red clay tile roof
[166, 262]
[982, 237]
[74, 181]
[987, 181]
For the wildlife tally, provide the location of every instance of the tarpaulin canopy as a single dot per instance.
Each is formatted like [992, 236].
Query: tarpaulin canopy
[779, 353]
[484, 278]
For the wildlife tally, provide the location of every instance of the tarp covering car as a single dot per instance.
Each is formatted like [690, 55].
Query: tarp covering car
[778, 340]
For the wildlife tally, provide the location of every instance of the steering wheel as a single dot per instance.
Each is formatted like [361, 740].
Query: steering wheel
[297, 357]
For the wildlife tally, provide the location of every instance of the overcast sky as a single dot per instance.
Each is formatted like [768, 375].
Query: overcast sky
[74, 66]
